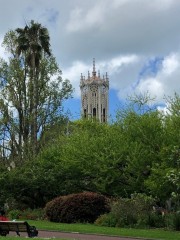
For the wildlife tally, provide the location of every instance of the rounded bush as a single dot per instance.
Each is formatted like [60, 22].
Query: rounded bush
[106, 220]
[80, 207]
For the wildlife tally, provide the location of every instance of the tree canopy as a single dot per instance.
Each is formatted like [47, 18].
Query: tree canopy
[32, 92]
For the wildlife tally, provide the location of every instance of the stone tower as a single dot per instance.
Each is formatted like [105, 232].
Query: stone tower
[94, 95]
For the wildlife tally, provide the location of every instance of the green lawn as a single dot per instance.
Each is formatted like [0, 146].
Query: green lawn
[90, 228]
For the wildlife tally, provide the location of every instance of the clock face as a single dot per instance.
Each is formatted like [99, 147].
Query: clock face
[94, 87]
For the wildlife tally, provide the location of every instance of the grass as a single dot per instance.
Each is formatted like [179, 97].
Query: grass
[93, 229]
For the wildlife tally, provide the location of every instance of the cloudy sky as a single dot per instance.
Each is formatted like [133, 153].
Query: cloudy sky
[136, 41]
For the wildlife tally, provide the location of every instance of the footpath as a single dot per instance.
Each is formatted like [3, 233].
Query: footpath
[76, 236]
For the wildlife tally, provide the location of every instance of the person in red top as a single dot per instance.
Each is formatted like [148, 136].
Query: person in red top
[2, 216]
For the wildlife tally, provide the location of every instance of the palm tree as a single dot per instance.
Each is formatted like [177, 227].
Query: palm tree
[33, 42]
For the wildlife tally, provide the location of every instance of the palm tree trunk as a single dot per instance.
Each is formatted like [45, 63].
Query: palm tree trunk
[34, 108]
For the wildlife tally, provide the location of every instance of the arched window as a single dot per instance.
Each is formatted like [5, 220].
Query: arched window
[104, 115]
[94, 112]
[85, 113]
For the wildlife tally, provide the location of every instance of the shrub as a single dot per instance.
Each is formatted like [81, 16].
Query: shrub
[133, 212]
[176, 220]
[156, 220]
[80, 207]
[32, 214]
[106, 220]
[124, 211]
[54, 208]
[172, 221]
[27, 214]
[14, 214]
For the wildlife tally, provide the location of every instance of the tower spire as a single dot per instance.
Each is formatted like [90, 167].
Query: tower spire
[94, 68]
[81, 77]
[98, 73]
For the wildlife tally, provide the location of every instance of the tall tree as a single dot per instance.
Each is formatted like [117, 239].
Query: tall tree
[31, 91]
[33, 41]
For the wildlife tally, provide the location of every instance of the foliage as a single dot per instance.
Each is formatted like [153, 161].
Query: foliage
[29, 187]
[32, 91]
[139, 152]
[125, 212]
[26, 214]
[14, 214]
[176, 221]
[107, 220]
[80, 207]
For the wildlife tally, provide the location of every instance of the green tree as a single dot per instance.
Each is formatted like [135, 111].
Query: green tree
[92, 158]
[33, 42]
[163, 181]
[143, 130]
[137, 153]
[32, 92]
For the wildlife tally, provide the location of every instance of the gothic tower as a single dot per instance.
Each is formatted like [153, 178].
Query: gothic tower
[94, 95]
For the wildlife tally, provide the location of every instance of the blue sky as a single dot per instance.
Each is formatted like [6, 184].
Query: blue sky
[136, 41]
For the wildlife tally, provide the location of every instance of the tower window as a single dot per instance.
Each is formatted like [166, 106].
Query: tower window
[85, 113]
[94, 112]
[104, 115]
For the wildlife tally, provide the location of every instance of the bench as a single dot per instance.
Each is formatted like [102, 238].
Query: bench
[17, 226]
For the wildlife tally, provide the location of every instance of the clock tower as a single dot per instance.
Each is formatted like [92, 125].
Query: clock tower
[94, 95]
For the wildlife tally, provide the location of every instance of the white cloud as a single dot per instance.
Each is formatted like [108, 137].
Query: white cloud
[154, 4]
[121, 34]
[166, 81]
[123, 71]
[3, 54]
[170, 64]
[75, 21]
[119, 3]
[73, 73]
[164, 109]
[152, 86]
[1, 49]
[81, 19]
[162, 5]
[117, 63]
[117, 68]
